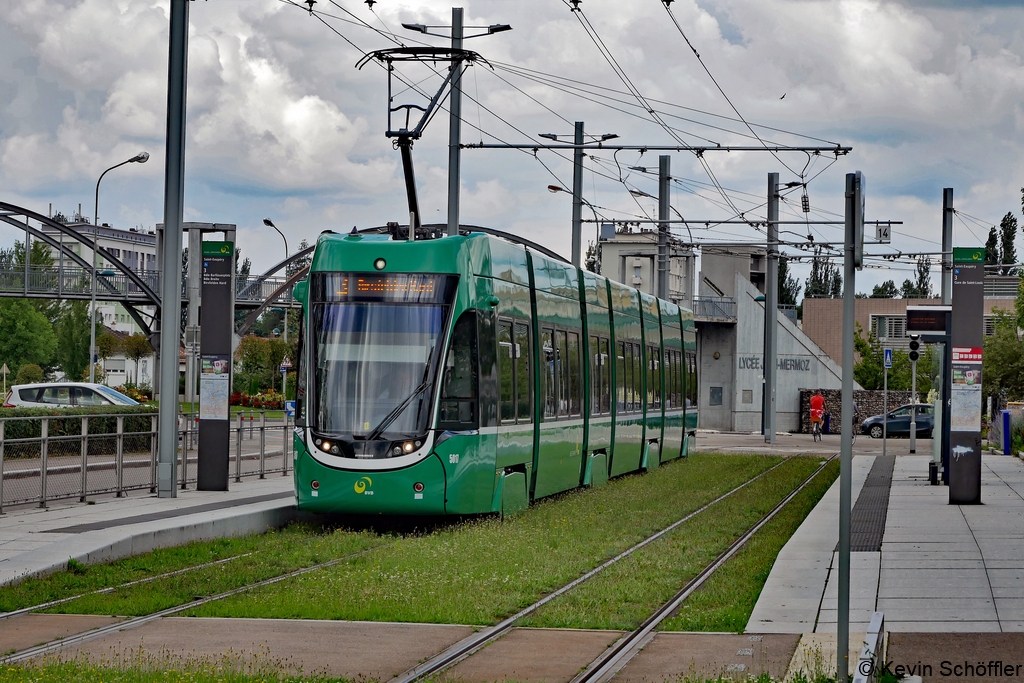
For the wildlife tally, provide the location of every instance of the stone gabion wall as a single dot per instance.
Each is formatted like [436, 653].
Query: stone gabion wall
[869, 402]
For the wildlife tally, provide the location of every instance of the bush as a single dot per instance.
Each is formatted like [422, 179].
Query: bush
[30, 373]
[267, 400]
[137, 392]
[67, 422]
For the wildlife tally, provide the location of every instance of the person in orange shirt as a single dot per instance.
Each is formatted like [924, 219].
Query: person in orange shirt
[817, 411]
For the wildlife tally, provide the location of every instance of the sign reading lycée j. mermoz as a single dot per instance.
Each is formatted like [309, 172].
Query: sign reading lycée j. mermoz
[784, 363]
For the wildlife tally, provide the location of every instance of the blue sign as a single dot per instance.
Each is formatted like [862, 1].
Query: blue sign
[888, 358]
[289, 408]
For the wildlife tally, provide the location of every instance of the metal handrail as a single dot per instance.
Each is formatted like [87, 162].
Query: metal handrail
[714, 308]
[26, 475]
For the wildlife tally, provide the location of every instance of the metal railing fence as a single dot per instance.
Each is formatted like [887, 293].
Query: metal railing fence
[43, 459]
[714, 308]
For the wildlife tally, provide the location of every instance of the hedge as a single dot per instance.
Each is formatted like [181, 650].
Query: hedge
[67, 422]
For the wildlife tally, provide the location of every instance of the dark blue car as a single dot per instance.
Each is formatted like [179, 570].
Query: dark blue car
[899, 422]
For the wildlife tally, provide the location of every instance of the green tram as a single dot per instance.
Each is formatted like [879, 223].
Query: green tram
[470, 374]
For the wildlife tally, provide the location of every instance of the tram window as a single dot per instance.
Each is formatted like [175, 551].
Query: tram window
[605, 378]
[547, 376]
[691, 380]
[653, 377]
[300, 375]
[521, 351]
[637, 378]
[574, 374]
[670, 379]
[506, 373]
[595, 376]
[459, 383]
[620, 378]
[679, 380]
[561, 363]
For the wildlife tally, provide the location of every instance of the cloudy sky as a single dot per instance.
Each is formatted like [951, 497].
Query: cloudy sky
[281, 124]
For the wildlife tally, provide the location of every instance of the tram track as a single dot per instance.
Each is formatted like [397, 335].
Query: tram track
[478, 641]
[438, 663]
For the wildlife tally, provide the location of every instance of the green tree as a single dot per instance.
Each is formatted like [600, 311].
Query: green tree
[39, 257]
[27, 336]
[253, 355]
[29, 373]
[921, 286]
[1007, 252]
[276, 352]
[72, 330]
[824, 282]
[107, 344]
[992, 248]
[789, 286]
[886, 290]
[869, 370]
[1003, 359]
[136, 347]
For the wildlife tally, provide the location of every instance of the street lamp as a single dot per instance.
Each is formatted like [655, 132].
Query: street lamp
[140, 158]
[641, 193]
[270, 224]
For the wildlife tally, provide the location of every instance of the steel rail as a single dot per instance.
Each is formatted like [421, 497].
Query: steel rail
[619, 653]
[133, 622]
[111, 589]
[470, 645]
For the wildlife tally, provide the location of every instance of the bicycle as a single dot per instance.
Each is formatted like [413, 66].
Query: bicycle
[816, 430]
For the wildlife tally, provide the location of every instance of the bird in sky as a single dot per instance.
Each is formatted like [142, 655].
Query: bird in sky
[783, 96]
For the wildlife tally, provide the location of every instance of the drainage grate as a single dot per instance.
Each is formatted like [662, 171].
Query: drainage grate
[867, 523]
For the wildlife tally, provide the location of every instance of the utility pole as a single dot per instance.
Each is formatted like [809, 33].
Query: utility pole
[170, 282]
[664, 206]
[854, 235]
[947, 351]
[771, 309]
[914, 354]
[455, 128]
[577, 194]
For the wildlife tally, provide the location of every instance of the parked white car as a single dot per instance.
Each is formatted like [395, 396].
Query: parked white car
[65, 395]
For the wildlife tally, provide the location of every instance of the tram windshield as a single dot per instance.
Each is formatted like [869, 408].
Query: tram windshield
[376, 343]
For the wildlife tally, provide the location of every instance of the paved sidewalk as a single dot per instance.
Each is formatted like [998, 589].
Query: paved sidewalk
[941, 567]
[35, 541]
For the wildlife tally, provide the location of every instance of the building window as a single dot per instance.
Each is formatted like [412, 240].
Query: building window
[889, 326]
[748, 395]
[715, 399]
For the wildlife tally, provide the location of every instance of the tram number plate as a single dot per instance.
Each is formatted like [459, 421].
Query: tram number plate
[453, 458]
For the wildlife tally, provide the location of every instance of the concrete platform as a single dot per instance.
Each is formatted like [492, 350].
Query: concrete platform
[36, 541]
[941, 567]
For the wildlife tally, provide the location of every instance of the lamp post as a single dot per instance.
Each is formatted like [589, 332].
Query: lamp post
[140, 158]
[555, 189]
[284, 375]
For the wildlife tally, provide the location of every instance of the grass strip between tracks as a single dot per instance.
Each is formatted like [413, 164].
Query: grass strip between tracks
[480, 572]
[625, 594]
[725, 601]
[266, 555]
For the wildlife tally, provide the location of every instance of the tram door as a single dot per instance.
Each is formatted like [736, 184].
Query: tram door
[515, 399]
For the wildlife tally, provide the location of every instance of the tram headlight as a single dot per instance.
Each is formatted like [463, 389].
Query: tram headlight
[397, 450]
[380, 264]
[325, 445]
[408, 447]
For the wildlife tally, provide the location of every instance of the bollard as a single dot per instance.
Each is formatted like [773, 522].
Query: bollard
[152, 453]
[85, 459]
[44, 429]
[238, 451]
[263, 440]
[250, 424]
[183, 449]
[119, 456]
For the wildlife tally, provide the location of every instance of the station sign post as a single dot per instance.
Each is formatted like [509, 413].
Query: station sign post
[966, 341]
[885, 399]
[931, 324]
[216, 318]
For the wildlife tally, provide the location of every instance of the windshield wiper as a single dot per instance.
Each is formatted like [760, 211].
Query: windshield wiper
[399, 409]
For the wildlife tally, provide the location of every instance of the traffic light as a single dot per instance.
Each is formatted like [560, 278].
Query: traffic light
[915, 347]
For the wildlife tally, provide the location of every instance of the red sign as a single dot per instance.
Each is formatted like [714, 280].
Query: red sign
[966, 354]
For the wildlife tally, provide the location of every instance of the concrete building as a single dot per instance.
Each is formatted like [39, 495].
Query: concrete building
[136, 248]
[886, 318]
[631, 257]
[731, 363]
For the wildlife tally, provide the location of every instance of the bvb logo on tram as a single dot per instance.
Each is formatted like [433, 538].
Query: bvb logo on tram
[361, 486]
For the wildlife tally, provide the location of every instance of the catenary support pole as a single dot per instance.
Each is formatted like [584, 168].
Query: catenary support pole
[771, 310]
[947, 351]
[664, 206]
[577, 195]
[170, 283]
[846, 453]
[455, 128]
